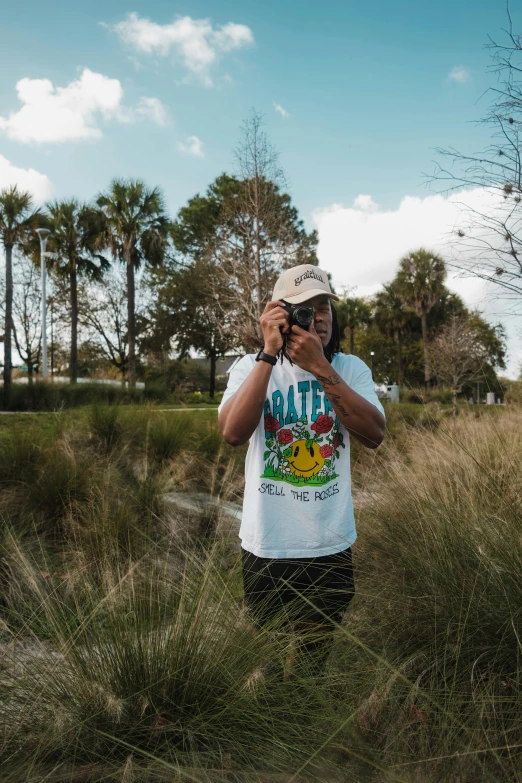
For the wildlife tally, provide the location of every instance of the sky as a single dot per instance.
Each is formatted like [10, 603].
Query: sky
[356, 98]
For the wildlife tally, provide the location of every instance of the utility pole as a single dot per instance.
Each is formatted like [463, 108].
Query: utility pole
[52, 337]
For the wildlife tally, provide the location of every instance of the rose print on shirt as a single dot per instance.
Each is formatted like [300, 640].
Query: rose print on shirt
[326, 450]
[285, 436]
[323, 424]
[307, 459]
[271, 424]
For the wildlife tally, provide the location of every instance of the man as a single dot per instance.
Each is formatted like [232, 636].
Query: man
[298, 524]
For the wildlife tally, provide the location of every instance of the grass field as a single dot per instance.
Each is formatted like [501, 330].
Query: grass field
[125, 651]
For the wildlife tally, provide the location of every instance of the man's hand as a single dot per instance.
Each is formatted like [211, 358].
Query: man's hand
[305, 348]
[274, 322]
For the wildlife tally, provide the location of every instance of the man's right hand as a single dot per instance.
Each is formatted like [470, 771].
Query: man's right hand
[274, 323]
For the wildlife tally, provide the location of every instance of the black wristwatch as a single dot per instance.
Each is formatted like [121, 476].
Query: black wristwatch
[265, 357]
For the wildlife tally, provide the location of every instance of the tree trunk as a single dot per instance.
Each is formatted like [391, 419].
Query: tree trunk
[165, 358]
[398, 339]
[30, 372]
[258, 251]
[73, 362]
[427, 373]
[8, 322]
[131, 325]
[455, 404]
[212, 388]
[352, 338]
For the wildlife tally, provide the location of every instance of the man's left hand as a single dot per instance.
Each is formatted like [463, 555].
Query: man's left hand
[305, 348]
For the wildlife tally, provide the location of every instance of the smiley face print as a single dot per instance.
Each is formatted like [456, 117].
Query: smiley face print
[305, 461]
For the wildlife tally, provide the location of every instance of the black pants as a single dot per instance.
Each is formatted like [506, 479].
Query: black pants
[327, 582]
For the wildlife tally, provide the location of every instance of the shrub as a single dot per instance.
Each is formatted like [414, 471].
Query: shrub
[170, 670]
[169, 434]
[106, 426]
[63, 477]
[42, 396]
[21, 453]
[513, 394]
[442, 540]
[422, 396]
[156, 392]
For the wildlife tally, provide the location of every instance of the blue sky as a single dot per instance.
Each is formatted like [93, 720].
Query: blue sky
[370, 89]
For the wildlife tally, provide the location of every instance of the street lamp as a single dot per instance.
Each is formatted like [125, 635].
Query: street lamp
[43, 233]
[372, 354]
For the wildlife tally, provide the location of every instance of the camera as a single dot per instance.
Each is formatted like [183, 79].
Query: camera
[297, 314]
[300, 315]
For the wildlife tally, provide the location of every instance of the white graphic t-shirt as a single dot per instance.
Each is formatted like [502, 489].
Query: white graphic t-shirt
[298, 498]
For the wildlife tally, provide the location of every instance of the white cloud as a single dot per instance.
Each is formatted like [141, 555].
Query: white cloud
[55, 114]
[149, 109]
[361, 246]
[282, 112]
[458, 74]
[193, 146]
[197, 42]
[39, 185]
[365, 203]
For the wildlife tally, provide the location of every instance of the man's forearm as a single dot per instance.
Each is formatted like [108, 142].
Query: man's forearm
[240, 415]
[360, 417]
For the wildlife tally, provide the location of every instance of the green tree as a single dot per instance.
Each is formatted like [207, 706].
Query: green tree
[420, 281]
[392, 320]
[458, 355]
[249, 239]
[353, 313]
[136, 231]
[368, 339]
[18, 221]
[185, 309]
[75, 235]
[199, 222]
[103, 314]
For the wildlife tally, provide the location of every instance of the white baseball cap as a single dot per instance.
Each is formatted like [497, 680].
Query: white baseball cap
[302, 282]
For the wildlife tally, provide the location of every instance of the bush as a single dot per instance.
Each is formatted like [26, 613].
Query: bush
[513, 393]
[169, 435]
[20, 454]
[199, 398]
[41, 396]
[441, 539]
[422, 396]
[106, 426]
[168, 669]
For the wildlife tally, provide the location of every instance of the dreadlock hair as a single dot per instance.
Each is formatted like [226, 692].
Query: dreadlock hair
[334, 344]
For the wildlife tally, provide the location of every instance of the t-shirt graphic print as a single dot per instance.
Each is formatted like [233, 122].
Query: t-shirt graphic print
[303, 454]
[297, 500]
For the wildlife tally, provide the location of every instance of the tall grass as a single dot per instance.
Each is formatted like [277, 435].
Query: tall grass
[441, 549]
[127, 654]
[159, 670]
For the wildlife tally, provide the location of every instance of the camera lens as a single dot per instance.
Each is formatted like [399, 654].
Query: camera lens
[304, 316]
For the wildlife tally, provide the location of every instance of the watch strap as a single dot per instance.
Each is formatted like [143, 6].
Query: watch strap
[265, 357]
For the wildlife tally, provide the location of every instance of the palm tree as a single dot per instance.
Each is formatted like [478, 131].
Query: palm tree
[136, 230]
[18, 220]
[76, 231]
[391, 319]
[420, 281]
[353, 312]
